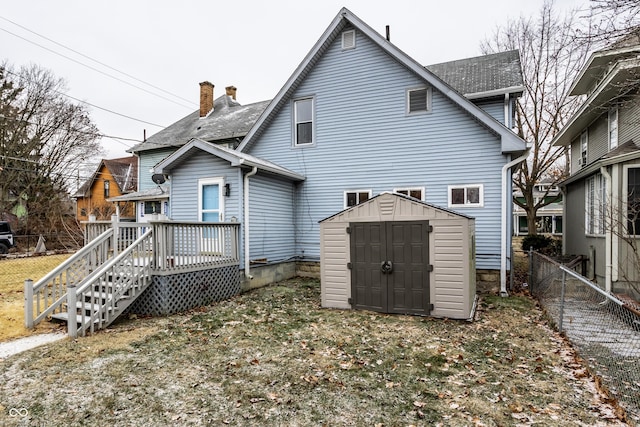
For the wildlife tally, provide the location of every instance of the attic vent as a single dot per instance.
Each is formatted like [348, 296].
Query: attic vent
[418, 100]
[349, 39]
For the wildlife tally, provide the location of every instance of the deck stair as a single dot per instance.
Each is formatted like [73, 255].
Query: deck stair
[93, 287]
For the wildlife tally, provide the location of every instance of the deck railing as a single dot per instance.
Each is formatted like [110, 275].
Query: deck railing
[103, 295]
[187, 246]
[48, 294]
[173, 247]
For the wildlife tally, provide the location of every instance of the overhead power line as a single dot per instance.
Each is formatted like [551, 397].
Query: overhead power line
[95, 69]
[96, 61]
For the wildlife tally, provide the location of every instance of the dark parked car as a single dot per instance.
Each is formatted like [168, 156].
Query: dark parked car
[6, 237]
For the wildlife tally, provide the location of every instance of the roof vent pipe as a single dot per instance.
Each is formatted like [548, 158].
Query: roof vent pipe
[388, 33]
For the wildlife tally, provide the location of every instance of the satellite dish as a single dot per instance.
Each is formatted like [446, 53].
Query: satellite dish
[158, 178]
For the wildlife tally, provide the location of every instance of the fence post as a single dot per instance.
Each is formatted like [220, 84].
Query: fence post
[512, 267]
[564, 281]
[28, 304]
[531, 269]
[116, 235]
[72, 323]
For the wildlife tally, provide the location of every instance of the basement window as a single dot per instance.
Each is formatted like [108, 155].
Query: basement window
[466, 196]
[416, 193]
[352, 198]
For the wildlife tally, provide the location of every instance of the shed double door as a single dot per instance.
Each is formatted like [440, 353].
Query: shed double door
[390, 266]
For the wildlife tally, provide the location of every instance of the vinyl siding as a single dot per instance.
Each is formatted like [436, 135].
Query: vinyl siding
[271, 213]
[365, 140]
[494, 106]
[597, 143]
[146, 161]
[185, 188]
[575, 240]
[629, 122]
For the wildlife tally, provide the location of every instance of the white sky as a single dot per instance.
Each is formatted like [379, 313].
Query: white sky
[254, 45]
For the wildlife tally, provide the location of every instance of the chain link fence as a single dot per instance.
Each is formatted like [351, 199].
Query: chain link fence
[603, 328]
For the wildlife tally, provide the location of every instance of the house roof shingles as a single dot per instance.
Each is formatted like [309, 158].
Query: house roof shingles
[123, 170]
[480, 75]
[228, 120]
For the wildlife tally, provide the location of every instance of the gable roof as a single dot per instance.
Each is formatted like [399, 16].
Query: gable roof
[234, 157]
[390, 196]
[123, 170]
[510, 142]
[483, 76]
[229, 120]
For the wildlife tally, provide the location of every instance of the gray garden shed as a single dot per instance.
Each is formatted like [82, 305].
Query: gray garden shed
[396, 254]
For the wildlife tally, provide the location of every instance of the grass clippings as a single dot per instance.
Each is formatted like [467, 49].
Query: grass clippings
[272, 356]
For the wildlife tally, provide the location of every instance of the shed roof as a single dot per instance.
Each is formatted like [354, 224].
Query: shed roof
[483, 76]
[156, 193]
[234, 157]
[228, 120]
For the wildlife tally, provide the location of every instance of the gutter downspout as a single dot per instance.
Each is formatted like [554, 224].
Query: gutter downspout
[504, 231]
[246, 222]
[607, 232]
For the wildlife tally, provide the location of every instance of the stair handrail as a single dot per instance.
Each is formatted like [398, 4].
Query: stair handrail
[86, 282]
[52, 275]
[88, 322]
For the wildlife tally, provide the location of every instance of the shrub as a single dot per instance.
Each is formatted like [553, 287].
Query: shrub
[537, 242]
[543, 244]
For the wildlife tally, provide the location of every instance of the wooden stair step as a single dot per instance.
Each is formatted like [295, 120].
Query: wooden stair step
[65, 317]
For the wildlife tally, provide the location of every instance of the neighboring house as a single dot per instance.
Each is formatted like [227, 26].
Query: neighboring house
[112, 178]
[548, 217]
[357, 118]
[221, 121]
[601, 193]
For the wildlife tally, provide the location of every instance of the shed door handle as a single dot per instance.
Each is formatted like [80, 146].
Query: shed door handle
[386, 267]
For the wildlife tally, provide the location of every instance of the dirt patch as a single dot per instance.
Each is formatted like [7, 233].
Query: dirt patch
[272, 356]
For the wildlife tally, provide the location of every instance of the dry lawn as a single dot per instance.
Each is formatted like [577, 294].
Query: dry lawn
[272, 356]
[13, 273]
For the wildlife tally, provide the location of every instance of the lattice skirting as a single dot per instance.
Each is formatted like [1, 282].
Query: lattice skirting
[180, 292]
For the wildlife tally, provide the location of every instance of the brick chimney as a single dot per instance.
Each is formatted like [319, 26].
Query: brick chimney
[231, 91]
[206, 98]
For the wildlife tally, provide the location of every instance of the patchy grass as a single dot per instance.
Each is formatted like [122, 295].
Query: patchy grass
[274, 357]
[13, 273]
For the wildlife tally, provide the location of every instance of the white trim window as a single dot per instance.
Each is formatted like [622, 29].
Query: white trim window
[418, 100]
[210, 200]
[466, 196]
[355, 197]
[415, 192]
[613, 128]
[584, 144]
[595, 205]
[303, 121]
[348, 39]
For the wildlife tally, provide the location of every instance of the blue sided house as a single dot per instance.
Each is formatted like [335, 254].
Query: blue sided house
[388, 179]
[356, 119]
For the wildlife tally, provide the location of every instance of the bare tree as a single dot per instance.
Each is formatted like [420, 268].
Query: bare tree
[43, 137]
[612, 21]
[551, 57]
